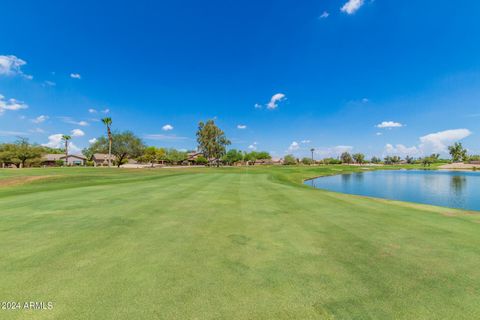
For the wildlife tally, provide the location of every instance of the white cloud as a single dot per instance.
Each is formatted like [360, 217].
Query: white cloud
[11, 104]
[91, 110]
[106, 111]
[389, 125]
[401, 150]
[40, 119]
[164, 137]
[378, 133]
[273, 103]
[365, 100]
[93, 140]
[55, 141]
[324, 15]
[431, 143]
[276, 98]
[439, 141]
[294, 146]
[69, 120]
[241, 126]
[253, 146]
[352, 6]
[167, 127]
[75, 76]
[77, 133]
[49, 83]
[306, 141]
[11, 66]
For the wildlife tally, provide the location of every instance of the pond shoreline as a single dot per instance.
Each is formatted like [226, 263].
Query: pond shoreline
[445, 188]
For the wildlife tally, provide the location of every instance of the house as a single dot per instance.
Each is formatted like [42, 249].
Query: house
[193, 156]
[53, 159]
[101, 159]
[75, 160]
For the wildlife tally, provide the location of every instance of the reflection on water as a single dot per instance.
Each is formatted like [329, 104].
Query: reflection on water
[457, 183]
[444, 188]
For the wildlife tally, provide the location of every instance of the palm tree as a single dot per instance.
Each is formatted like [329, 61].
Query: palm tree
[66, 138]
[108, 122]
[312, 151]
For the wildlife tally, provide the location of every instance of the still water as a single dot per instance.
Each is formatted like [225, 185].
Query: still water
[442, 188]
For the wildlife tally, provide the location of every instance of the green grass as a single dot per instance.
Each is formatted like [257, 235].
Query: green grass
[228, 243]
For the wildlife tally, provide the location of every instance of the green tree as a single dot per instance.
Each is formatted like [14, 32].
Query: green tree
[124, 145]
[263, 155]
[150, 155]
[212, 141]
[458, 152]
[307, 161]
[250, 157]
[289, 160]
[20, 153]
[174, 156]
[253, 156]
[427, 161]
[108, 123]
[201, 160]
[232, 156]
[332, 161]
[376, 160]
[392, 159]
[24, 151]
[346, 158]
[7, 154]
[359, 158]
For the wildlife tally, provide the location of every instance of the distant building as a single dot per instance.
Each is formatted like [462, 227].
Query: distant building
[193, 156]
[53, 159]
[101, 159]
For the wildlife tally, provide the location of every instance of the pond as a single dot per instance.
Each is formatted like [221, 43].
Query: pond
[442, 188]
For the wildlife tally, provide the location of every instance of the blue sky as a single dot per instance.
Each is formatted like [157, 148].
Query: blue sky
[379, 77]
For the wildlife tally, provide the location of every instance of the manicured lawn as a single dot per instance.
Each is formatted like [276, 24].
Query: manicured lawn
[229, 243]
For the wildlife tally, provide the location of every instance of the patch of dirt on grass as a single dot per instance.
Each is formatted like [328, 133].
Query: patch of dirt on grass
[15, 181]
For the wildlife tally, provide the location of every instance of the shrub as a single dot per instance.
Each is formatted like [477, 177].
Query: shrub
[307, 161]
[289, 160]
[332, 161]
[201, 160]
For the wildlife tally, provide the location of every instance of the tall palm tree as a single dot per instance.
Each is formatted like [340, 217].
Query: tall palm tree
[66, 138]
[312, 151]
[108, 123]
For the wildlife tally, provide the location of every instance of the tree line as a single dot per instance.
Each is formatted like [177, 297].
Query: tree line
[212, 150]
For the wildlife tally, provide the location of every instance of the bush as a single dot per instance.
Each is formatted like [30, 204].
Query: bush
[332, 161]
[59, 163]
[307, 161]
[289, 160]
[89, 163]
[201, 160]
[474, 158]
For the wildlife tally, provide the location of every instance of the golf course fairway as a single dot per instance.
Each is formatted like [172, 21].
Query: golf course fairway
[227, 243]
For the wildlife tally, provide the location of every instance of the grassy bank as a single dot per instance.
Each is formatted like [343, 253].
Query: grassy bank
[228, 243]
